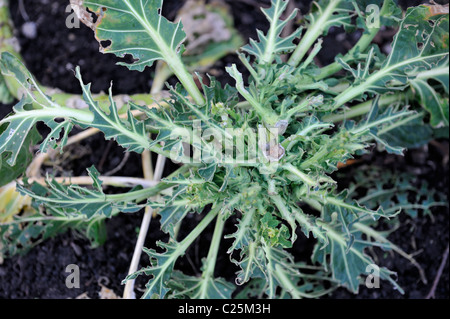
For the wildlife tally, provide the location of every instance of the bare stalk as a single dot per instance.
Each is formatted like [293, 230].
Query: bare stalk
[116, 181]
[129, 286]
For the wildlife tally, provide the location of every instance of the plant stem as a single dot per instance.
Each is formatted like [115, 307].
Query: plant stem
[172, 58]
[145, 225]
[305, 178]
[439, 274]
[322, 152]
[272, 35]
[147, 166]
[116, 181]
[303, 106]
[354, 91]
[360, 46]
[315, 204]
[187, 241]
[149, 174]
[84, 116]
[268, 116]
[250, 68]
[287, 284]
[315, 51]
[363, 43]
[208, 273]
[341, 203]
[285, 212]
[314, 32]
[364, 108]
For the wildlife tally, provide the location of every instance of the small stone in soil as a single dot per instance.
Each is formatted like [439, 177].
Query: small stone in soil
[29, 30]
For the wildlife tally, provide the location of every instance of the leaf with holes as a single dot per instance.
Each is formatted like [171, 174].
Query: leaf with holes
[137, 28]
[133, 27]
[24, 158]
[35, 106]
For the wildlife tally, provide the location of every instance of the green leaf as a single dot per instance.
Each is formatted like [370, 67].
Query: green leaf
[245, 233]
[273, 233]
[266, 114]
[208, 171]
[23, 225]
[129, 133]
[74, 200]
[432, 98]
[273, 268]
[420, 45]
[5, 96]
[260, 260]
[24, 233]
[35, 106]
[251, 263]
[172, 214]
[133, 27]
[204, 46]
[280, 271]
[160, 269]
[161, 264]
[349, 212]
[325, 152]
[412, 134]
[338, 13]
[394, 192]
[395, 129]
[184, 122]
[433, 102]
[24, 158]
[191, 195]
[19, 126]
[308, 225]
[272, 44]
[137, 28]
[194, 287]
[347, 264]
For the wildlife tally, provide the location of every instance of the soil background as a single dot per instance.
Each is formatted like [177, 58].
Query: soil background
[52, 56]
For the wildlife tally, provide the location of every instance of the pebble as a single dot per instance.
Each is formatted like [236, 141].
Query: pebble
[77, 249]
[29, 30]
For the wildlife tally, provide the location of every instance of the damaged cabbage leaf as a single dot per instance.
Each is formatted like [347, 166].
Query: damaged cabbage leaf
[210, 35]
[263, 161]
[130, 27]
[24, 158]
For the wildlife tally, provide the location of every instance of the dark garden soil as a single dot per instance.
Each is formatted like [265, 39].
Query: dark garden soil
[53, 54]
